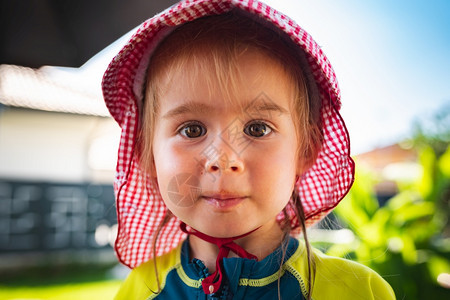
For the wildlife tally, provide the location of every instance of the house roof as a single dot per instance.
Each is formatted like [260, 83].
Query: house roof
[379, 158]
[50, 89]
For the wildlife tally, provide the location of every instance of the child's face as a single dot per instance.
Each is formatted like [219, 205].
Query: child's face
[221, 169]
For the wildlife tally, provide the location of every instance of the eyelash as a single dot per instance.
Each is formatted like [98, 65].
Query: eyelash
[203, 129]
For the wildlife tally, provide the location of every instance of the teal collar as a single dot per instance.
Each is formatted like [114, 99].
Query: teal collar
[241, 271]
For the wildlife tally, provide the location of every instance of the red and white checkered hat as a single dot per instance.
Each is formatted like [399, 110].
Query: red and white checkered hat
[140, 208]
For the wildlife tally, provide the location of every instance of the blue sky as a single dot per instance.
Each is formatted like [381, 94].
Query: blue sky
[391, 59]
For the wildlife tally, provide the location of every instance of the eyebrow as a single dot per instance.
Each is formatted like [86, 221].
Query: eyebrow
[267, 106]
[202, 108]
[188, 108]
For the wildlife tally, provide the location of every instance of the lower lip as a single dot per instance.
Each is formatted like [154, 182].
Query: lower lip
[223, 204]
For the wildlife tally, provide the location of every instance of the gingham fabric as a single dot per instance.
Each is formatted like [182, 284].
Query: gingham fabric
[140, 208]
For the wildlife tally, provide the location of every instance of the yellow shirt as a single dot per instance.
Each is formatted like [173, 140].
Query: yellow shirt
[335, 278]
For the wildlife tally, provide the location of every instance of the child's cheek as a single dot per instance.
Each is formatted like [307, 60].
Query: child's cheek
[178, 176]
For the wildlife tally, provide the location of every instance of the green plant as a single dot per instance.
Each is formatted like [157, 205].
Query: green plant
[407, 240]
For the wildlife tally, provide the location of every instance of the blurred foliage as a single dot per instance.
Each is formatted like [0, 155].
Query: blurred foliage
[433, 131]
[407, 241]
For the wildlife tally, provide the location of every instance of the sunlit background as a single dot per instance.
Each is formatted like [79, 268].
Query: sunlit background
[58, 144]
[391, 59]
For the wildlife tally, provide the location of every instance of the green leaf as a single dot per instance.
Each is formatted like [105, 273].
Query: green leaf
[438, 265]
[428, 160]
[413, 212]
[444, 163]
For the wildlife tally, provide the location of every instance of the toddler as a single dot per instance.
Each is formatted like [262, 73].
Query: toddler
[232, 144]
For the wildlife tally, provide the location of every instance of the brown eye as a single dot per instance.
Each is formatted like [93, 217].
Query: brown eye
[192, 131]
[257, 129]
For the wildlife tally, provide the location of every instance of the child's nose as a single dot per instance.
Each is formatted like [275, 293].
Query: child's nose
[225, 161]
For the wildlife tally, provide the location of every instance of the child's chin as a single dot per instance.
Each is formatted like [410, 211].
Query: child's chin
[226, 229]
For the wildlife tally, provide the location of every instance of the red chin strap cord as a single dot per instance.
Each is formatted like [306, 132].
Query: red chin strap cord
[212, 283]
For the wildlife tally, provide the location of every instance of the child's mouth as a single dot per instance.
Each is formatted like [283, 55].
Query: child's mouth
[224, 202]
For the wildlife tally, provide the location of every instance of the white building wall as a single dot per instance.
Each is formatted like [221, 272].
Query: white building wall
[57, 147]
